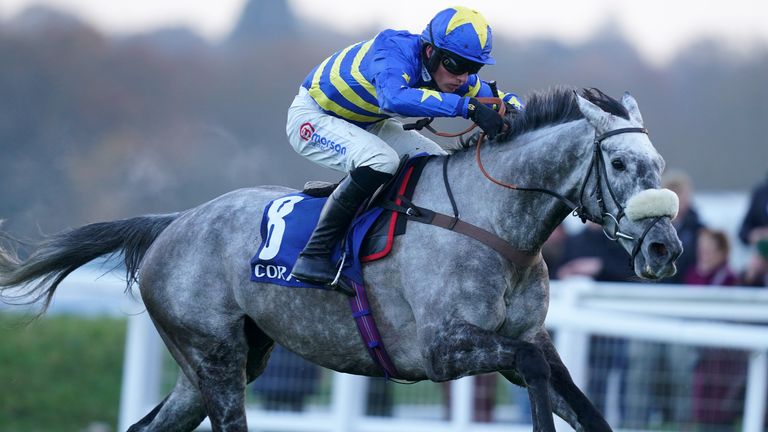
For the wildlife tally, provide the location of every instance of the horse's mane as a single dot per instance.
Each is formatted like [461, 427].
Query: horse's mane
[558, 105]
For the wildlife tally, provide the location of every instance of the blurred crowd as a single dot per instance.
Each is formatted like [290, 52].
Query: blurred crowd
[662, 384]
[659, 384]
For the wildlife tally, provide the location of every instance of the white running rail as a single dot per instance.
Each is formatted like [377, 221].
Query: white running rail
[579, 308]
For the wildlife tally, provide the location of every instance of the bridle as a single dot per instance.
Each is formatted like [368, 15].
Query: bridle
[597, 165]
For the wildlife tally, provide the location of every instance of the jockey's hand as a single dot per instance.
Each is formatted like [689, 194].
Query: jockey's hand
[489, 120]
[510, 111]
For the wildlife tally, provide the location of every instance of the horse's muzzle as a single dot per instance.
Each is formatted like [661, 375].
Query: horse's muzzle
[659, 251]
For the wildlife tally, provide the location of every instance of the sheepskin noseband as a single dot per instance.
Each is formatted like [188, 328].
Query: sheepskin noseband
[652, 203]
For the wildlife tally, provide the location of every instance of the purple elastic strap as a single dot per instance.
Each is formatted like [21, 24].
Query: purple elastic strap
[365, 324]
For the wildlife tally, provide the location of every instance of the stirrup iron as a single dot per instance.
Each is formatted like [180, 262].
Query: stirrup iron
[339, 284]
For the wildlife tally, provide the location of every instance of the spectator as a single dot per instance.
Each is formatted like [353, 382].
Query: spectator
[756, 272]
[591, 254]
[553, 249]
[711, 260]
[380, 403]
[754, 233]
[659, 376]
[720, 374]
[754, 227]
[485, 397]
[519, 396]
[686, 222]
[287, 381]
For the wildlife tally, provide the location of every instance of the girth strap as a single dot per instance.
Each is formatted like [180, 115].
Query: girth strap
[429, 217]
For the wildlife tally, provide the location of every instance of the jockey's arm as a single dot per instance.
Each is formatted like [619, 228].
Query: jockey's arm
[396, 74]
[395, 96]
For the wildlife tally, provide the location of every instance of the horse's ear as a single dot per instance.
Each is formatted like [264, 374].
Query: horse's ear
[631, 105]
[594, 115]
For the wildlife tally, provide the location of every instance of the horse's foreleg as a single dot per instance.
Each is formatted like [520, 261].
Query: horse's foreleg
[459, 349]
[568, 401]
[559, 406]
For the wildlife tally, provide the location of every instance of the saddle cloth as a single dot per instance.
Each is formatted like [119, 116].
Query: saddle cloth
[288, 222]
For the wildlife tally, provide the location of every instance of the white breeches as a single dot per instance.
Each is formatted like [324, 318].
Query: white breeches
[342, 146]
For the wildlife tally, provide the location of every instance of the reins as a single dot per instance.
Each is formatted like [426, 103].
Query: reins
[597, 165]
[425, 124]
[480, 140]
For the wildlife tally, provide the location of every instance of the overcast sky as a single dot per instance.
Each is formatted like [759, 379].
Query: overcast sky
[657, 27]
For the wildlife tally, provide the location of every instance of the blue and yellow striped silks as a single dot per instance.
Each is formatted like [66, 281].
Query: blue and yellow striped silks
[340, 88]
[373, 80]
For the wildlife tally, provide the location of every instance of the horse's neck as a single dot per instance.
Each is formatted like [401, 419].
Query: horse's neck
[555, 158]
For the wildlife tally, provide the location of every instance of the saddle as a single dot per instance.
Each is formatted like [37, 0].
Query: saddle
[377, 242]
[288, 222]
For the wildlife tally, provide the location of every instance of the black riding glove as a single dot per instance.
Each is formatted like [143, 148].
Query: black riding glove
[510, 111]
[489, 120]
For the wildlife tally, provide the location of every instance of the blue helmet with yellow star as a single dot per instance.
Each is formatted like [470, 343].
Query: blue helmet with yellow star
[461, 31]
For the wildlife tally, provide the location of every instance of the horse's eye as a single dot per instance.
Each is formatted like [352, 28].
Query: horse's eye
[618, 165]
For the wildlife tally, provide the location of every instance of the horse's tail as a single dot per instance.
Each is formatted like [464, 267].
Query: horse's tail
[56, 256]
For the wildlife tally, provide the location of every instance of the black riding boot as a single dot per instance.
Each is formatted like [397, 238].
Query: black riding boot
[314, 263]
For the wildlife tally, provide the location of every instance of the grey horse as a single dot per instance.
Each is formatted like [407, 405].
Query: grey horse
[446, 305]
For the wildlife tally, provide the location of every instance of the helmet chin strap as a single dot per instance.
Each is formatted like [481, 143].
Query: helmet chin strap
[434, 59]
[431, 62]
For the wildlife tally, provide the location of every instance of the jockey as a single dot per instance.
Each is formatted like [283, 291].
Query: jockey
[342, 116]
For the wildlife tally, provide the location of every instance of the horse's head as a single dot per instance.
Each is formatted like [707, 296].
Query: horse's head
[623, 189]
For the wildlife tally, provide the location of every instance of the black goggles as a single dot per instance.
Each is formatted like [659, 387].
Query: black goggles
[457, 65]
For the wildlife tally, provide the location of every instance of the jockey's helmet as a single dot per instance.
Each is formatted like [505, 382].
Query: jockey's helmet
[462, 39]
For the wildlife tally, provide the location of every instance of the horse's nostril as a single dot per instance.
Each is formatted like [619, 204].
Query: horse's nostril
[659, 249]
